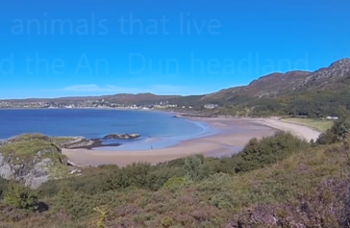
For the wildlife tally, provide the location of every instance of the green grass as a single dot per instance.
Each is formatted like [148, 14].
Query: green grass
[25, 137]
[58, 170]
[320, 125]
[28, 147]
[25, 147]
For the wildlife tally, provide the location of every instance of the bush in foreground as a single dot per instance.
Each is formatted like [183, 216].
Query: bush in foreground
[21, 197]
[260, 153]
[3, 186]
[339, 132]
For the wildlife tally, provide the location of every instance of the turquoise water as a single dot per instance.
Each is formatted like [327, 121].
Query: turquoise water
[158, 129]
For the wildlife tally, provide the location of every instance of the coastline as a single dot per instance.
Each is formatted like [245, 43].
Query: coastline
[234, 134]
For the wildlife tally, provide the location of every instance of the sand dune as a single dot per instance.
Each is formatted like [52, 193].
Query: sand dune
[235, 134]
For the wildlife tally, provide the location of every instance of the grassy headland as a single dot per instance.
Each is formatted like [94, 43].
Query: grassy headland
[29, 149]
[26, 147]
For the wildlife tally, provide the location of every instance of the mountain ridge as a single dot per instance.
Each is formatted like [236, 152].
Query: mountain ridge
[280, 83]
[292, 92]
[126, 97]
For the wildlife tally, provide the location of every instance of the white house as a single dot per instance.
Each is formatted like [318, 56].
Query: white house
[211, 106]
[332, 118]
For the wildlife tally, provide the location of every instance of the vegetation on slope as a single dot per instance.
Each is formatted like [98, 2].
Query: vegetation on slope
[318, 124]
[339, 132]
[25, 150]
[25, 147]
[33, 154]
[3, 187]
[280, 181]
[313, 94]
[260, 153]
[312, 104]
[21, 197]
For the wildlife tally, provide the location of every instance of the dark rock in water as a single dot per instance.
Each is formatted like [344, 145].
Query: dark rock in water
[84, 143]
[92, 143]
[73, 142]
[122, 136]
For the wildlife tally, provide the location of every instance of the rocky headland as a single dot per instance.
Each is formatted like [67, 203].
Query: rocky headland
[33, 159]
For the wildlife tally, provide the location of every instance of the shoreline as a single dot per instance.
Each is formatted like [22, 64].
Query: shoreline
[234, 134]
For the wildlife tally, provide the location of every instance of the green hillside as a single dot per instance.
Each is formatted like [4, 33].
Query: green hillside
[321, 93]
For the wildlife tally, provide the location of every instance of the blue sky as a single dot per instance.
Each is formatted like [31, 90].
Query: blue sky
[75, 48]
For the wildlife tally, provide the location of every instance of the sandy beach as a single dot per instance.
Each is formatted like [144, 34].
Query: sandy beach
[234, 135]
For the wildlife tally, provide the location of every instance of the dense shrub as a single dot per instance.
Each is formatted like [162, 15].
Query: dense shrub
[3, 186]
[21, 197]
[194, 168]
[176, 182]
[339, 132]
[260, 153]
[161, 174]
[140, 175]
[257, 154]
[310, 189]
[74, 203]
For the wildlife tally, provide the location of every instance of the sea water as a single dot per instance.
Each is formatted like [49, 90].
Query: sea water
[157, 129]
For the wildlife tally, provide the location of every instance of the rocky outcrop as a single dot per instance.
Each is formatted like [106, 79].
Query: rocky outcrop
[5, 168]
[39, 174]
[32, 174]
[82, 142]
[31, 159]
[121, 136]
[75, 142]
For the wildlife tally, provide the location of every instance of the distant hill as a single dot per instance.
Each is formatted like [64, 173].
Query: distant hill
[277, 84]
[142, 98]
[60, 99]
[315, 94]
[124, 98]
[323, 92]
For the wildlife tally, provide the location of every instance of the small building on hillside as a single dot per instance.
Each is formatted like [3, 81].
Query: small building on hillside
[211, 106]
[332, 118]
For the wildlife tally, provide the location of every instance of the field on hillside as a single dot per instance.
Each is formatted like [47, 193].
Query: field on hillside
[320, 125]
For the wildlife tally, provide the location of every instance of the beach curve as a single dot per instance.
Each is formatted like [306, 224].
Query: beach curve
[234, 134]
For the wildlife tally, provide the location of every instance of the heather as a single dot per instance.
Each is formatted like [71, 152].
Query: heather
[278, 181]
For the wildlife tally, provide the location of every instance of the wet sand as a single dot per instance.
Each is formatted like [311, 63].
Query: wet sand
[234, 134]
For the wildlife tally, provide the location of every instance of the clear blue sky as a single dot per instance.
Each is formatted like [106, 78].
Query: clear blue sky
[81, 47]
